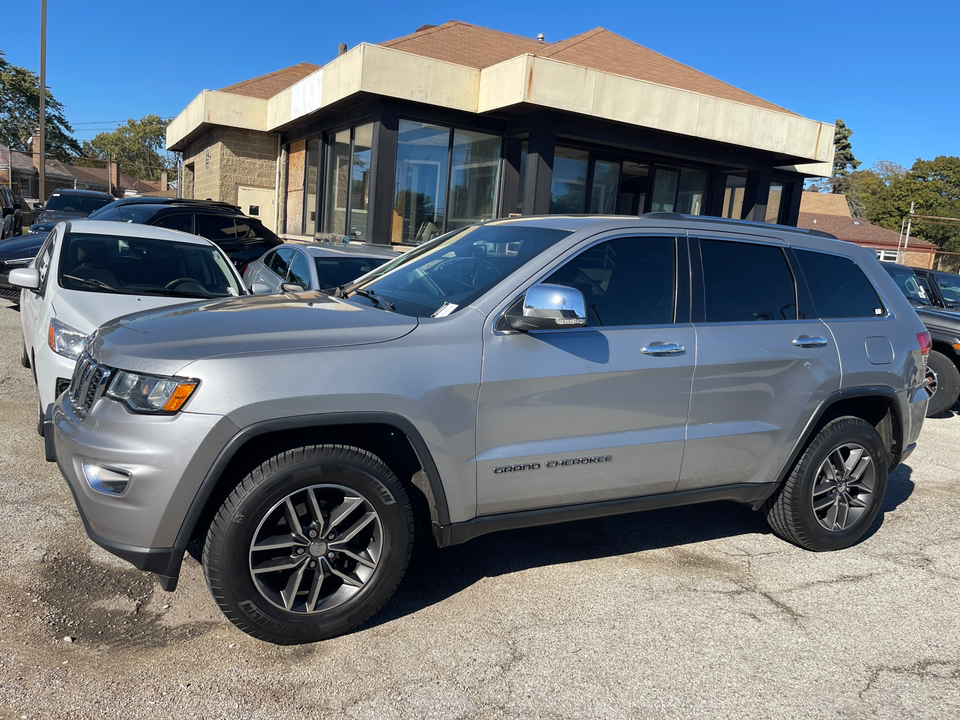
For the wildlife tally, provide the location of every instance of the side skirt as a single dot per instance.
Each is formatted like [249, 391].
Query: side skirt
[752, 494]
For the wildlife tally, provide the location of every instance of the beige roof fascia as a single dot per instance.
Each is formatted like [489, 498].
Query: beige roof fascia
[525, 79]
[573, 88]
[212, 107]
[377, 70]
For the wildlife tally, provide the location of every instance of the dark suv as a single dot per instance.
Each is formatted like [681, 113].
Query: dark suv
[942, 287]
[69, 204]
[243, 238]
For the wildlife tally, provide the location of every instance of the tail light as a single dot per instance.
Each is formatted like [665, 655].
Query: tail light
[926, 344]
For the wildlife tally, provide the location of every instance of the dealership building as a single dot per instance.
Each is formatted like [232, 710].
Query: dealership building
[457, 123]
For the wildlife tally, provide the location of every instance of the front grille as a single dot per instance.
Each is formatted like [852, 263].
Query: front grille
[89, 383]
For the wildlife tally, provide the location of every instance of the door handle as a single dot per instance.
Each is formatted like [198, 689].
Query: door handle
[808, 341]
[662, 349]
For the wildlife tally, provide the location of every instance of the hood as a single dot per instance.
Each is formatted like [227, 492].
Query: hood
[164, 341]
[86, 311]
[21, 247]
[940, 318]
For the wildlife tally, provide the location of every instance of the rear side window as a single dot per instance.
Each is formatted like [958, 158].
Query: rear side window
[178, 221]
[838, 286]
[217, 227]
[746, 282]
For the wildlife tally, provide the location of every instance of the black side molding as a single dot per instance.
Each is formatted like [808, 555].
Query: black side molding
[752, 494]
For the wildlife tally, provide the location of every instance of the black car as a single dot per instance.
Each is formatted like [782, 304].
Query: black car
[11, 208]
[943, 288]
[943, 362]
[17, 252]
[67, 204]
[243, 238]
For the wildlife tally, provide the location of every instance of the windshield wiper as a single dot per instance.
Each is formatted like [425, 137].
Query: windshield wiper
[378, 301]
[91, 282]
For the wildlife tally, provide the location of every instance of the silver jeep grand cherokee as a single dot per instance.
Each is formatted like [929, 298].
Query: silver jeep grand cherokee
[521, 372]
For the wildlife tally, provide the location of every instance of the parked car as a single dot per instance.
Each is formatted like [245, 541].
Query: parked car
[317, 266]
[520, 372]
[943, 362]
[942, 288]
[11, 217]
[67, 204]
[243, 238]
[89, 272]
[15, 253]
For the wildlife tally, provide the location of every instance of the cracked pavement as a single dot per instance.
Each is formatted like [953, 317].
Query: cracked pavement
[668, 614]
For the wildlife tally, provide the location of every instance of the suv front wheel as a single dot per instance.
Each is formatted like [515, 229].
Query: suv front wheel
[835, 490]
[310, 544]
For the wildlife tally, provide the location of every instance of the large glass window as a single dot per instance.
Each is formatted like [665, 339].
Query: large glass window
[310, 187]
[665, 190]
[733, 196]
[746, 282]
[634, 183]
[774, 202]
[692, 191]
[473, 179]
[347, 186]
[447, 178]
[568, 190]
[603, 191]
[422, 161]
[626, 281]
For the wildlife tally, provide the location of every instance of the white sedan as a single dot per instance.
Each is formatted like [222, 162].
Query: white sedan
[89, 272]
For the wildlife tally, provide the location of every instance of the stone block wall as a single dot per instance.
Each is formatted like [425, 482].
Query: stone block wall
[225, 159]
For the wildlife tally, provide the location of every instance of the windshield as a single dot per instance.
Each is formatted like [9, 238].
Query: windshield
[949, 285]
[453, 270]
[907, 282]
[144, 266]
[76, 203]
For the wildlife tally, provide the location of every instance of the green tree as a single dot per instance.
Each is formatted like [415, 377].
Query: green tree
[20, 113]
[139, 145]
[844, 161]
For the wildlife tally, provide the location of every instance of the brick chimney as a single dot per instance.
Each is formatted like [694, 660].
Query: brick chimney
[164, 181]
[113, 176]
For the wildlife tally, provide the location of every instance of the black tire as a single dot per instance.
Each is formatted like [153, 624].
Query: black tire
[819, 512]
[39, 404]
[24, 357]
[943, 379]
[292, 587]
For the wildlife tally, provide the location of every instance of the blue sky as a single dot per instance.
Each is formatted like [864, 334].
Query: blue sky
[890, 70]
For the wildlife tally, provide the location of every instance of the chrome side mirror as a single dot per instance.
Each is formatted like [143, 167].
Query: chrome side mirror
[291, 287]
[548, 307]
[260, 289]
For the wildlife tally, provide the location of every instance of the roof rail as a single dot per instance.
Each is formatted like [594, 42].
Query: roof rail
[737, 223]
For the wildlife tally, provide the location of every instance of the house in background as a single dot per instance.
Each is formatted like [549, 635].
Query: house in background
[396, 142]
[830, 213]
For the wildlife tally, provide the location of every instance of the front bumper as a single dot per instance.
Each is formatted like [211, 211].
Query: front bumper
[166, 458]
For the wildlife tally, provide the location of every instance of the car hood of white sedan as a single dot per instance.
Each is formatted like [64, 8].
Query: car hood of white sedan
[86, 311]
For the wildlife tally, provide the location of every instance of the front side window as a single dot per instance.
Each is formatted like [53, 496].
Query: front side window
[839, 288]
[908, 283]
[626, 281]
[279, 261]
[300, 270]
[453, 270]
[746, 282]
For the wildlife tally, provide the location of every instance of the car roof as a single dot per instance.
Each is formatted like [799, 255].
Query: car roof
[87, 193]
[133, 230]
[173, 202]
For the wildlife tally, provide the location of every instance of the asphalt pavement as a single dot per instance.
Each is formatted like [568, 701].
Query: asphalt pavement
[690, 612]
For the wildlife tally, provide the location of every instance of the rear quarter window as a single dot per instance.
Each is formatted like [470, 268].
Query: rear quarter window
[838, 286]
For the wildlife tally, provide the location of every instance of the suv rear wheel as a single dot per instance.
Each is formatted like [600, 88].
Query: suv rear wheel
[311, 544]
[943, 382]
[835, 490]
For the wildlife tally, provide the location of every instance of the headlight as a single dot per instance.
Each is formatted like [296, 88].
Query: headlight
[151, 394]
[65, 340]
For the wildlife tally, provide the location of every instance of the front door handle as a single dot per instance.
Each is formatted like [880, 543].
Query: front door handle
[662, 349]
[808, 341]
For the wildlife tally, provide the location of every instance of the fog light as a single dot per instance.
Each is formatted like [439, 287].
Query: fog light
[106, 480]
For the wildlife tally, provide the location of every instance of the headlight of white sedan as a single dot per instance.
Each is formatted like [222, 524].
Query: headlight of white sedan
[149, 393]
[65, 340]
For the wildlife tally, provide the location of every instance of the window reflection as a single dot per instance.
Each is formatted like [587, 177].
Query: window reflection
[603, 192]
[733, 196]
[310, 184]
[422, 159]
[568, 190]
[473, 181]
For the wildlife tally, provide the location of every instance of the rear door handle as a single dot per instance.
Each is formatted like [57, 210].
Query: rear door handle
[662, 349]
[808, 341]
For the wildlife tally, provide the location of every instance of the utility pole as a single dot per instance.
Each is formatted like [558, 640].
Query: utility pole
[906, 241]
[42, 166]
